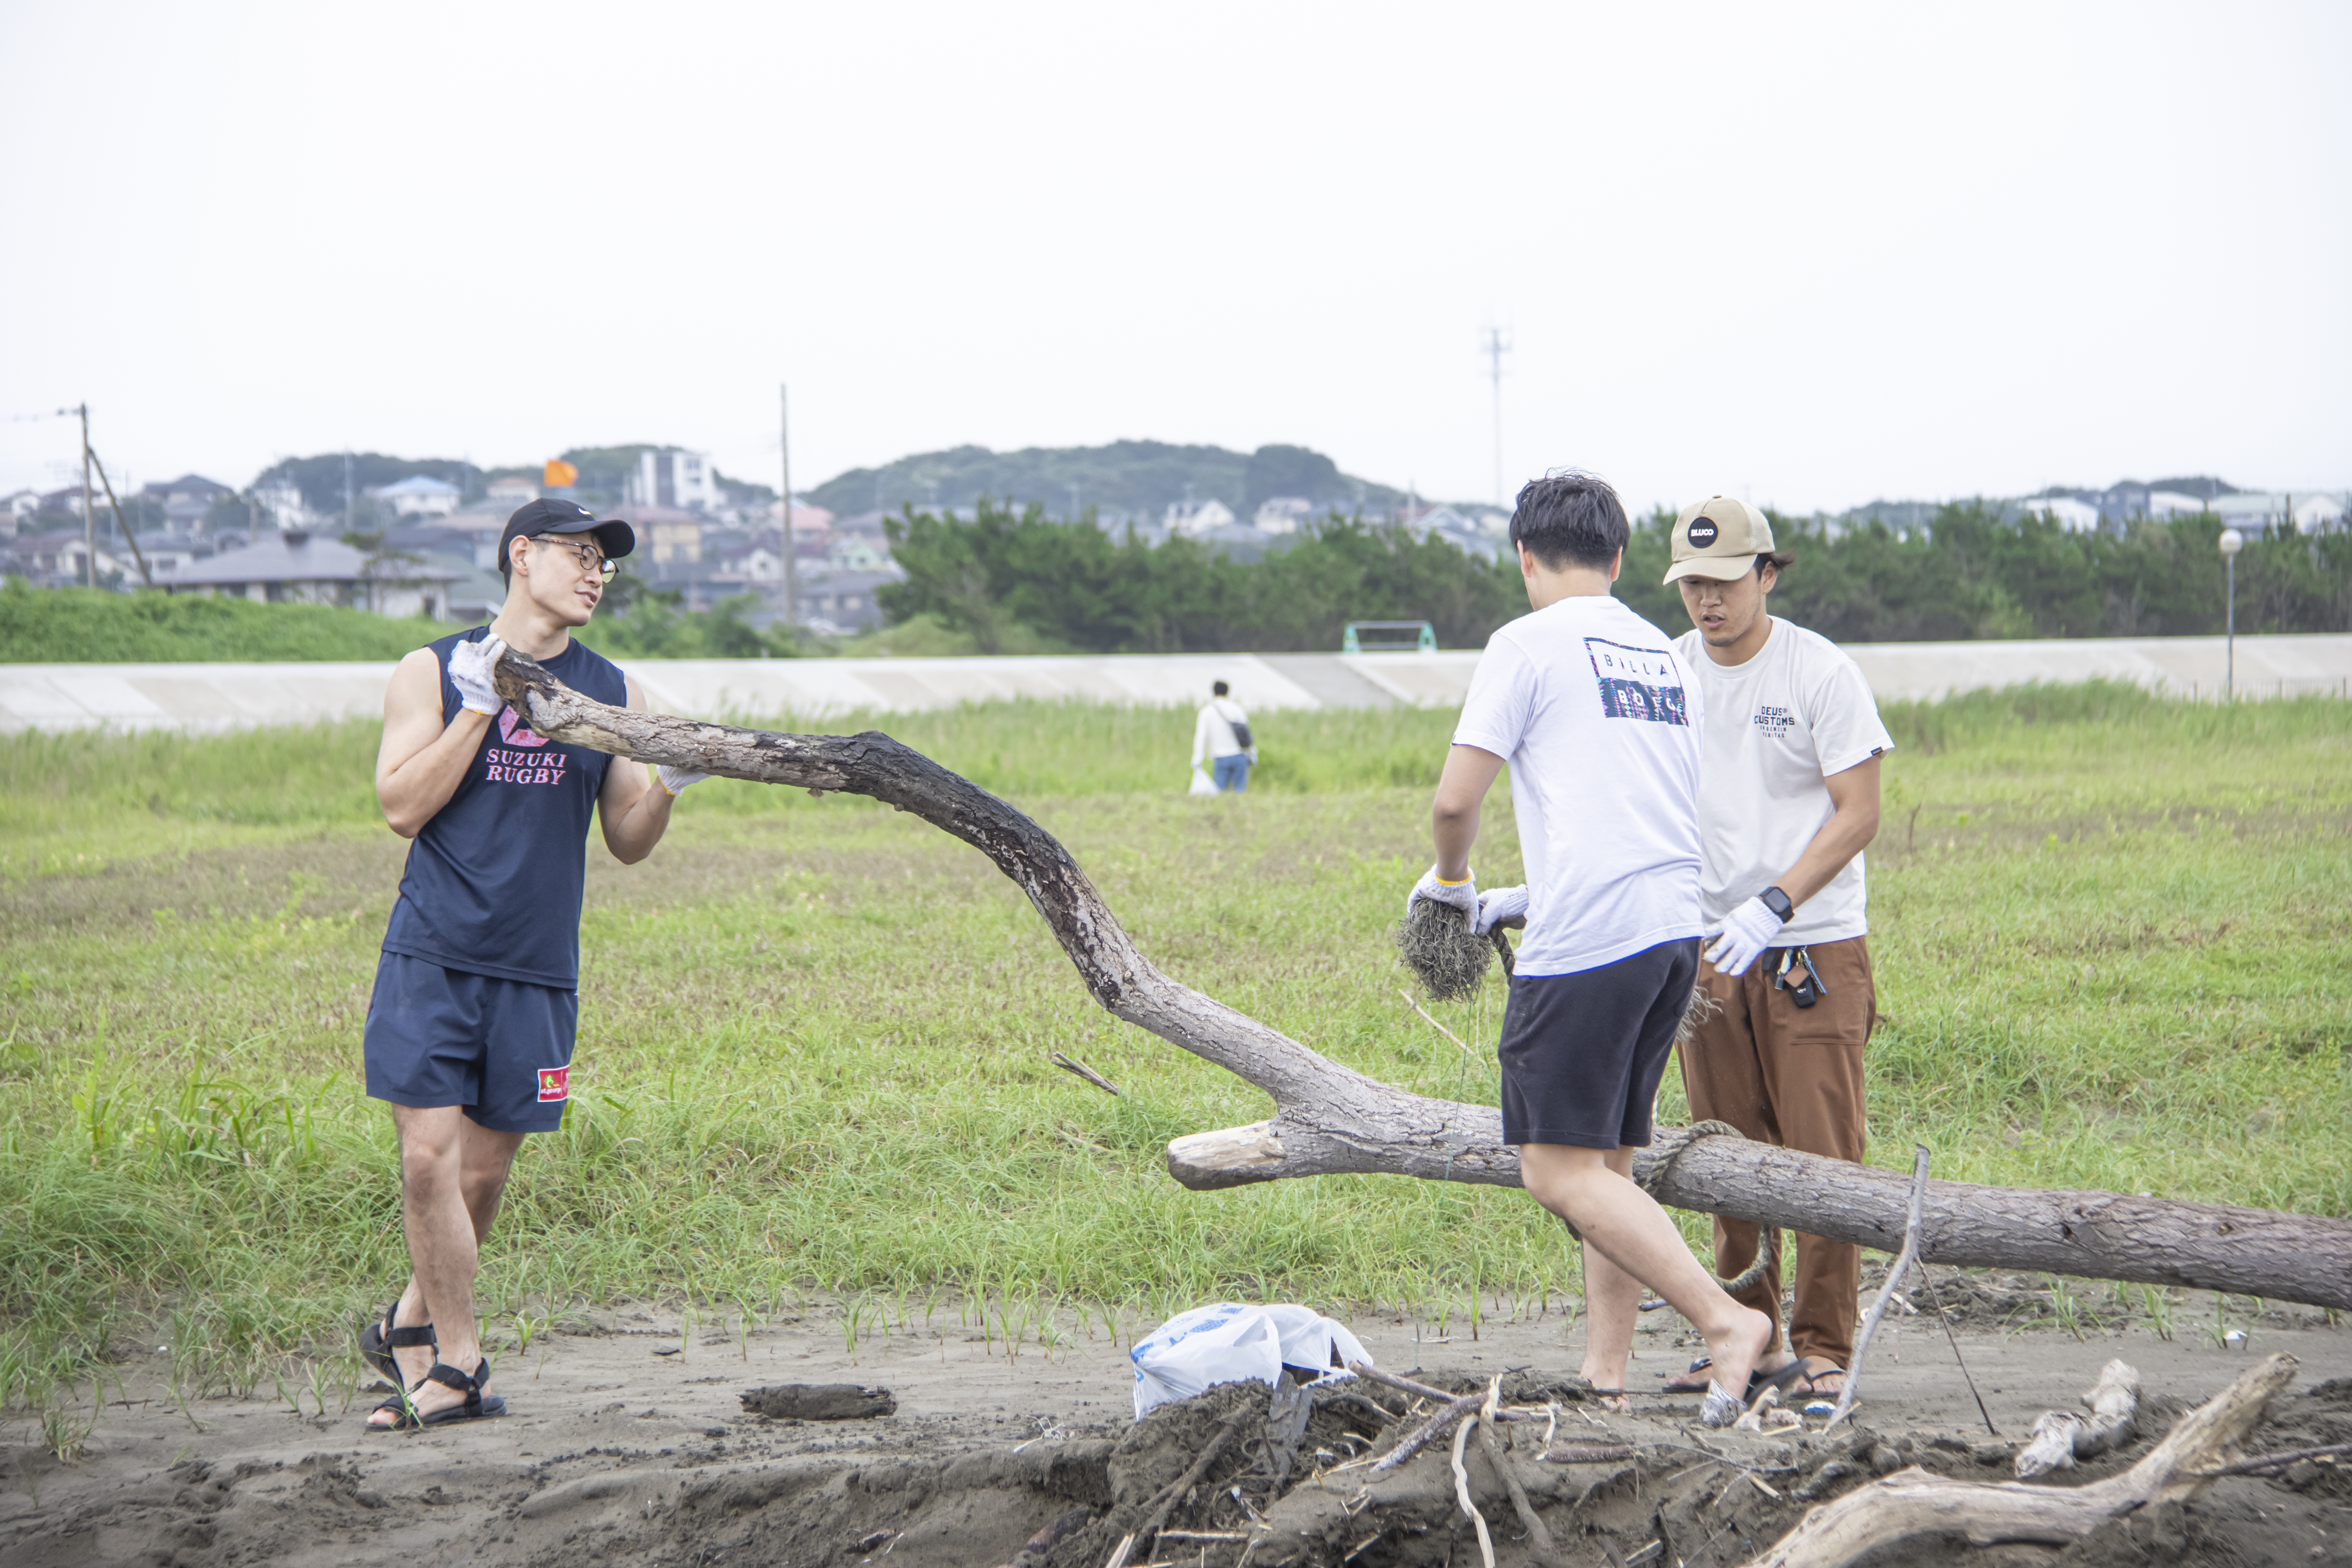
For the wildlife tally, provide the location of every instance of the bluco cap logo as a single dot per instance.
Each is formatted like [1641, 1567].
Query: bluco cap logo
[1703, 532]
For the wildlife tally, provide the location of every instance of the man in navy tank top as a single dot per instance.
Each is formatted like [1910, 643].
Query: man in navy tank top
[470, 1029]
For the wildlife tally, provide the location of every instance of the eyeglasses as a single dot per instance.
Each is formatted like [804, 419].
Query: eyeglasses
[591, 559]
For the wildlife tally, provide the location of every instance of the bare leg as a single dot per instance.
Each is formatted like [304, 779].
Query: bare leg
[1613, 1302]
[1590, 1189]
[453, 1174]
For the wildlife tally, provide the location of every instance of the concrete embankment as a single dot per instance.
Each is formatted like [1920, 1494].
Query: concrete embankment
[215, 697]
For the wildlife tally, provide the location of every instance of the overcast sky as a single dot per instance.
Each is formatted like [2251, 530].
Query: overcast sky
[1811, 255]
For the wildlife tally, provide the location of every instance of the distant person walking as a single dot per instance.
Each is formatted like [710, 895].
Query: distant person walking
[1788, 798]
[469, 1032]
[1223, 735]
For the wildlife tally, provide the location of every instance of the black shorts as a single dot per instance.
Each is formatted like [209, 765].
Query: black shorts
[501, 1048]
[1582, 1053]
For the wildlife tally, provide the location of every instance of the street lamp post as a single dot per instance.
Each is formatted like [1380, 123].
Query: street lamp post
[2232, 542]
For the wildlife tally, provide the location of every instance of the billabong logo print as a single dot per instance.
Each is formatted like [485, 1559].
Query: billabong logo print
[554, 1084]
[1638, 682]
[514, 731]
[1702, 534]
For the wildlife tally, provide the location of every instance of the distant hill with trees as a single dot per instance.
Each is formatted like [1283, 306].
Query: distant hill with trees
[1123, 478]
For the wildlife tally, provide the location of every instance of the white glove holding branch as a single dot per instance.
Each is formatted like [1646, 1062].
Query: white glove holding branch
[1747, 931]
[1461, 895]
[674, 780]
[470, 664]
[1497, 904]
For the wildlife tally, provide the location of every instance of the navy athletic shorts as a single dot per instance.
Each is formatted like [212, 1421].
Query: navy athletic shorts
[501, 1048]
[1582, 1053]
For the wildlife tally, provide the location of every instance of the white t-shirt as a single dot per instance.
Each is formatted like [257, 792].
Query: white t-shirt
[1598, 717]
[1779, 725]
[1212, 733]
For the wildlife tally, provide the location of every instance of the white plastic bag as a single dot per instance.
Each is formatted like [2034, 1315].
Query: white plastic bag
[1229, 1342]
[1201, 784]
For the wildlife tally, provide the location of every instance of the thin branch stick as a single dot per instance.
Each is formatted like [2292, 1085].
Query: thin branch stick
[1175, 1490]
[1445, 1416]
[1589, 1453]
[1938, 1303]
[1886, 1291]
[1434, 1023]
[2281, 1461]
[1538, 1536]
[1462, 1492]
[1071, 1066]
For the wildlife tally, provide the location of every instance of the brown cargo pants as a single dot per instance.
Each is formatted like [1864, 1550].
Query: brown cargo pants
[1792, 1076]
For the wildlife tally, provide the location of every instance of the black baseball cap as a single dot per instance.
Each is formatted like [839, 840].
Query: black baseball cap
[550, 515]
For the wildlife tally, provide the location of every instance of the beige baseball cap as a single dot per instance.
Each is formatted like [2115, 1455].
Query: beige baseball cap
[1720, 538]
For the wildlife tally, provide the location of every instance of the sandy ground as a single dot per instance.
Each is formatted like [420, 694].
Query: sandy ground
[621, 1446]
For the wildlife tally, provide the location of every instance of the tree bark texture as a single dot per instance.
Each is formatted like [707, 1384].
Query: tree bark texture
[1332, 1121]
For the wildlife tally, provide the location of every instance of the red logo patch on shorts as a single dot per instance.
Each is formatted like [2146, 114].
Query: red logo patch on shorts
[555, 1083]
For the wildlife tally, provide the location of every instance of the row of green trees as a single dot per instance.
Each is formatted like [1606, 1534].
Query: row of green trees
[1072, 583]
[1969, 574]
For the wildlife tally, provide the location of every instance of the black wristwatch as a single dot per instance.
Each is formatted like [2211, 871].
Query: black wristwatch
[1776, 900]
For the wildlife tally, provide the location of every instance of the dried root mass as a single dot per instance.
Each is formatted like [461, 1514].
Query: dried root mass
[1437, 944]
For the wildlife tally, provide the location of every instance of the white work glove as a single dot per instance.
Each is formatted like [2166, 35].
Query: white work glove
[1461, 895]
[674, 780]
[470, 664]
[1498, 904]
[1747, 931]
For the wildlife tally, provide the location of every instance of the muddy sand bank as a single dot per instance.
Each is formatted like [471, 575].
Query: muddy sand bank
[627, 1445]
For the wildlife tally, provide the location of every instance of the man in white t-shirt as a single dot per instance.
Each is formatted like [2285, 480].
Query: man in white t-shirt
[1788, 798]
[1596, 716]
[1222, 734]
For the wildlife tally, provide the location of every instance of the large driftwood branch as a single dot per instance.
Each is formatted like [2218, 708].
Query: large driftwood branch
[1331, 1121]
[1917, 1502]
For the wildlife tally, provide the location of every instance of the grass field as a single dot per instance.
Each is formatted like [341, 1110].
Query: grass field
[2111, 938]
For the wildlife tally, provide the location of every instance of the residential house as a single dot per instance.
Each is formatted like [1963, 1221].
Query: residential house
[1197, 518]
[470, 534]
[52, 558]
[167, 551]
[2252, 510]
[280, 502]
[1283, 514]
[2074, 516]
[835, 603]
[511, 494]
[420, 495]
[185, 501]
[670, 539]
[761, 566]
[856, 553]
[812, 527]
[22, 505]
[1472, 534]
[296, 566]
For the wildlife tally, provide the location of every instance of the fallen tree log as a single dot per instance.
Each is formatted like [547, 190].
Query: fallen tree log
[1332, 1121]
[1917, 1502]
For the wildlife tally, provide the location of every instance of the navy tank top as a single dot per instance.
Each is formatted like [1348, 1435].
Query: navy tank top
[493, 882]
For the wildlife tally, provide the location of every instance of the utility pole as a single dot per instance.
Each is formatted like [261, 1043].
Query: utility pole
[1496, 349]
[792, 565]
[89, 512]
[2231, 542]
[347, 492]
